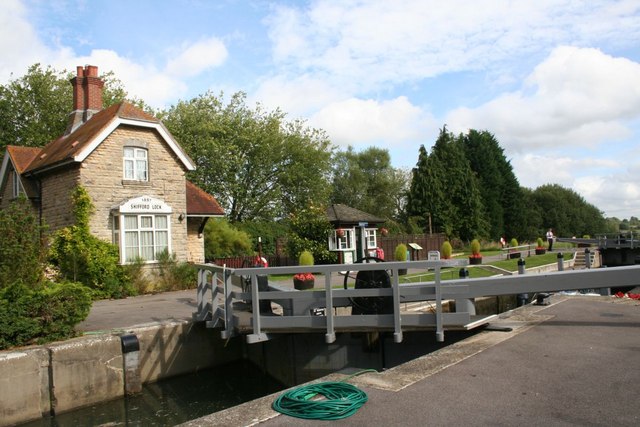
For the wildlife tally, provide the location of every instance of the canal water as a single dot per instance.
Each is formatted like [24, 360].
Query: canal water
[175, 400]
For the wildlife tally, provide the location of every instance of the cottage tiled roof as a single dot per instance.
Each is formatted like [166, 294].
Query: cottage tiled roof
[201, 203]
[22, 156]
[339, 214]
[67, 147]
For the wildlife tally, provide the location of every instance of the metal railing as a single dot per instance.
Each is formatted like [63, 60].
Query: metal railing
[224, 294]
[221, 290]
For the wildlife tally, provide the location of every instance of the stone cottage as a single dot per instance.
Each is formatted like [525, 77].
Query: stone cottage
[131, 166]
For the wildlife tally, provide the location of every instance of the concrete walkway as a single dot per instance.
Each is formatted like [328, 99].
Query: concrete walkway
[571, 363]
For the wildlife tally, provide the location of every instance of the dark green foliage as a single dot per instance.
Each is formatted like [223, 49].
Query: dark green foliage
[566, 212]
[82, 257]
[224, 240]
[444, 187]
[498, 185]
[268, 231]
[21, 247]
[48, 313]
[309, 230]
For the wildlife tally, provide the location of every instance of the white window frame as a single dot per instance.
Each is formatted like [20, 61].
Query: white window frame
[370, 236]
[345, 243]
[135, 164]
[146, 224]
[141, 207]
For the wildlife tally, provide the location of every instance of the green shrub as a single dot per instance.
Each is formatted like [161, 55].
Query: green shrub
[305, 258]
[310, 230]
[539, 242]
[446, 250]
[82, 257]
[224, 240]
[22, 250]
[173, 275]
[400, 253]
[514, 242]
[475, 247]
[48, 313]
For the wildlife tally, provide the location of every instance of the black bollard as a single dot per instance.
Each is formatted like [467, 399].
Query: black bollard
[465, 305]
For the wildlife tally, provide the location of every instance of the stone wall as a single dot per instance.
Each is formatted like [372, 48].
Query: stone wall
[195, 242]
[67, 375]
[103, 177]
[57, 207]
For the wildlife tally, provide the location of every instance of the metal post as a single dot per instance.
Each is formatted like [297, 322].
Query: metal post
[560, 261]
[397, 325]
[465, 305]
[522, 299]
[439, 327]
[330, 336]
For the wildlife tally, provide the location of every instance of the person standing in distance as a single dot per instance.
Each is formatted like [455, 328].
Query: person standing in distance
[550, 239]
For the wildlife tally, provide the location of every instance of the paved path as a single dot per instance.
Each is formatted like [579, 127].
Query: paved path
[573, 363]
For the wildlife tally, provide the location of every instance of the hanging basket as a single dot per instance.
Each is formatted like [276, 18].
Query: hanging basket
[302, 285]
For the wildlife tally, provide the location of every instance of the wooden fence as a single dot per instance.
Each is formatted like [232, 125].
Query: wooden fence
[428, 242]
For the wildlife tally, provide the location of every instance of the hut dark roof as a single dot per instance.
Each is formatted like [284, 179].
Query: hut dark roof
[340, 215]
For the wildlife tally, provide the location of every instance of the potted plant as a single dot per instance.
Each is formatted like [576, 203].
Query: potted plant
[512, 252]
[476, 257]
[446, 250]
[400, 254]
[303, 281]
[540, 250]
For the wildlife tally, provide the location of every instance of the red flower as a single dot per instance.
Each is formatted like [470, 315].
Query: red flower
[475, 255]
[304, 277]
[340, 232]
[384, 231]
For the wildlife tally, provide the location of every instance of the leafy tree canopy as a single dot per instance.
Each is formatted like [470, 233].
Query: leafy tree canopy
[34, 108]
[367, 181]
[258, 165]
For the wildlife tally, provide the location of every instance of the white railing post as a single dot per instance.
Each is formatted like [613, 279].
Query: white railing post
[330, 336]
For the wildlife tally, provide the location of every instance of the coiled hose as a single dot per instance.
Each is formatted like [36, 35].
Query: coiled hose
[341, 400]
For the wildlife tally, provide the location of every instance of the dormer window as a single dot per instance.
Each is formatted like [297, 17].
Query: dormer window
[136, 166]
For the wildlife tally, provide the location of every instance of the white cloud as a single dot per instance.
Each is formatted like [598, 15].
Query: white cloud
[575, 98]
[361, 123]
[403, 41]
[192, 60]
[299, 96]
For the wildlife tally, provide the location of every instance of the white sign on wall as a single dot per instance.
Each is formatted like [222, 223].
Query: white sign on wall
[144, 204]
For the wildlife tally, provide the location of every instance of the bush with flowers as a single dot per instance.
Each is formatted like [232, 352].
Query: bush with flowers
[304, 280]
[476, 256]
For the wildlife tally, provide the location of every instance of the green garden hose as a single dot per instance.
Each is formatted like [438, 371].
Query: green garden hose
[341, 400]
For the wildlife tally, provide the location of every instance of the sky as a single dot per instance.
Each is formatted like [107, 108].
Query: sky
[556, 82]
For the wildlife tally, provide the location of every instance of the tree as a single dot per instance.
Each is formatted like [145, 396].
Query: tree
[445, 191]
[34, 108]
[224, 240]
[309, 231]
[256, 164]
[566, 212]
[22, 249]
[367, 181]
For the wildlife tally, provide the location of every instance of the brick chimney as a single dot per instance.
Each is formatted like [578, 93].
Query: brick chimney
[87, 96]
